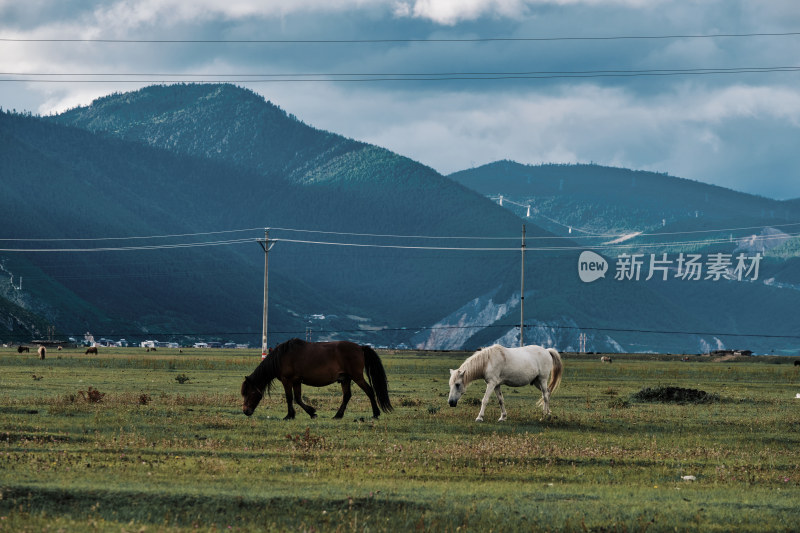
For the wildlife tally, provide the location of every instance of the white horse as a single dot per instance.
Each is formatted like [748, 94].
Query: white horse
[515, 367]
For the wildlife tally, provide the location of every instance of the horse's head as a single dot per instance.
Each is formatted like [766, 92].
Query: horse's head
[457, 386]
[251, 396]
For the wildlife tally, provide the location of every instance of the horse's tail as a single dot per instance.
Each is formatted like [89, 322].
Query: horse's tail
[377, 378]
[555, 375]
[558, 370]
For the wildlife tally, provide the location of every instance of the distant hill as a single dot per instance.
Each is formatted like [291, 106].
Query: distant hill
[219, 163]
[592, 199]
[19, 325]
[66, 183]
[98, 183]
[337, 185]
[661, 214]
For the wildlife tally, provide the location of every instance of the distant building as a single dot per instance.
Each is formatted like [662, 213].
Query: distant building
[718, 353]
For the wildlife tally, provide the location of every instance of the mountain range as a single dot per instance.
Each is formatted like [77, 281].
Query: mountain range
[144, 209]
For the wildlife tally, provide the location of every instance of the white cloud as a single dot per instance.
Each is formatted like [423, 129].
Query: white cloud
[135, 13]
[739, 101]
[451, 12]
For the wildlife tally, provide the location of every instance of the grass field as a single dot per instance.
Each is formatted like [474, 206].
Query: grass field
[129, 441]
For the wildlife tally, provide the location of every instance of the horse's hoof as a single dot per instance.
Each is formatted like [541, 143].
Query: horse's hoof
[501, 419]
[479, 419]
[288, 417]
[313, 415]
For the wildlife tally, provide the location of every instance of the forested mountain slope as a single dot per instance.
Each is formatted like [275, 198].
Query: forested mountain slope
[368, 245]
[601, 200]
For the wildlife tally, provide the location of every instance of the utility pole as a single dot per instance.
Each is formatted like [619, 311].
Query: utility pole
[267, 246]
[522, 293]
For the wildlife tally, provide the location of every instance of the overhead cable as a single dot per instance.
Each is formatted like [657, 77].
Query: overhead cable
[385, 235]
[130, 248]
[394, 77]
[462, 327]
[386, 40]
[607, 246]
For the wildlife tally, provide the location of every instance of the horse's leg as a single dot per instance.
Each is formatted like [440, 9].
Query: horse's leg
[346, 394]
[489, 388]
[541, 384]
[499, 395]
[287, 388]
[298, 398]
[361, 382]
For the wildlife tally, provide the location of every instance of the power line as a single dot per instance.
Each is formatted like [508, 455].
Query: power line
[397, 77]
[605, 246]
[131, 248]
[455, 73]
[655, 234]
[538, 248]
[65, 239]
[383, 235]
[377, 235]
[421, 40]
[450, 327]
[398, 246]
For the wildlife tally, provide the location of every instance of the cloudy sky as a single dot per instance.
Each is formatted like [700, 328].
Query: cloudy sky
[697, 88]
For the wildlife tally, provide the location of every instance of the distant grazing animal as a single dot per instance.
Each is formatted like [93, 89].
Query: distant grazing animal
[797, 363]
[515, 367]
[296, 362]
[92, 350]
[59, 348]
[42, 352]
[605, 359]
[25, 349]
[153, 349]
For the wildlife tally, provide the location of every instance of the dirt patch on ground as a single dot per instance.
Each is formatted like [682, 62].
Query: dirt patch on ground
[674, 395]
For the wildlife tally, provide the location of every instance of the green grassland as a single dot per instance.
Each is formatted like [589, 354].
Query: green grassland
[167, 448]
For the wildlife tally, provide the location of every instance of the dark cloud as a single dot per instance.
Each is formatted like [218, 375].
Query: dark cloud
[694, 126]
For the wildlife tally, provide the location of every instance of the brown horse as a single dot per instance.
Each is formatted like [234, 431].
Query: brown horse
[296, 362]
[91, 350]
[25, 349]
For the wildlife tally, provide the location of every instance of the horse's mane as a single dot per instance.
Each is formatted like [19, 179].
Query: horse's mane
[270, 368]
[475, 365]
